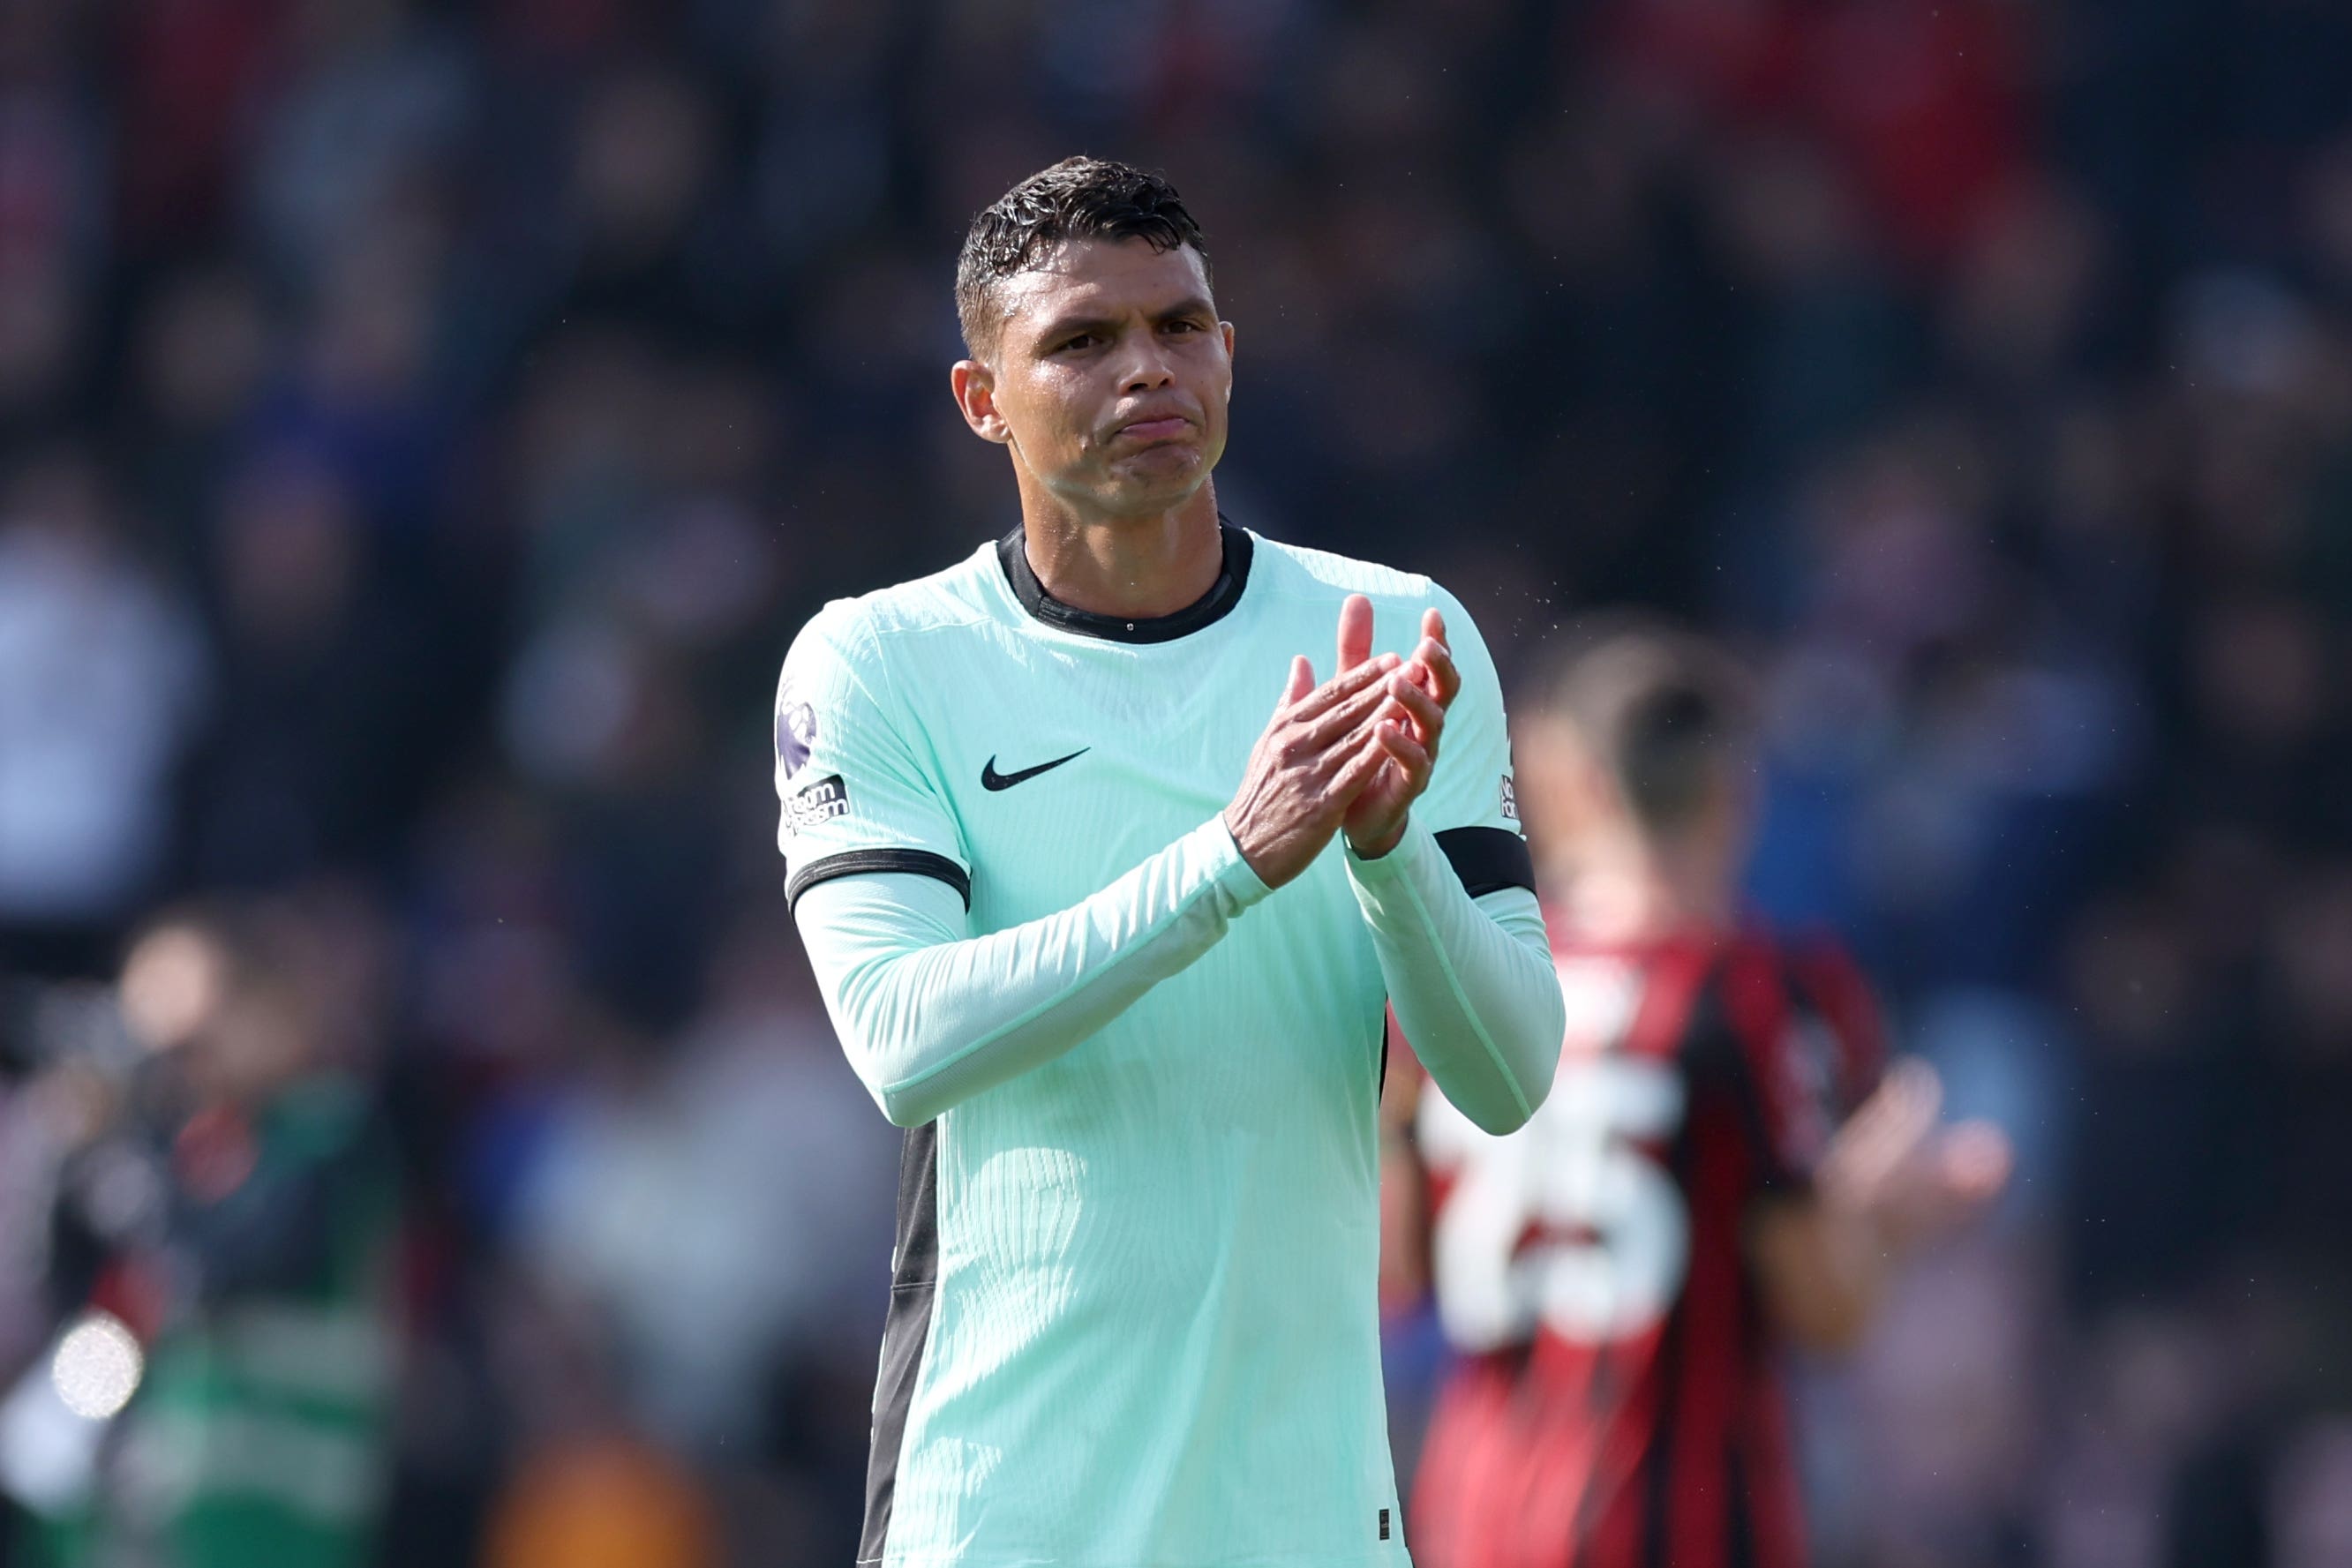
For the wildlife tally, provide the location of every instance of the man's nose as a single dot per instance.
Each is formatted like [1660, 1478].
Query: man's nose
[1147, 369]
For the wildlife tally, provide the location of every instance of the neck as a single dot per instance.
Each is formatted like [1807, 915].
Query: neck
[1624, 890]
[1136, 566]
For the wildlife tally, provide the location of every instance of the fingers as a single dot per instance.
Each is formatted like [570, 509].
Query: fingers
[1300, 682]
[1903, 1108]
[1344, 685]
[1893, 1160]
[1974, 1160]
[1351, 713]
[1435, 655]
[1397, 741]
[1355, 631]
[1444, 679]
[1897, 1136]
[1432, 657]
[1427, 715]
[1362, 767]
[1924, 1097]
[1889, 1128]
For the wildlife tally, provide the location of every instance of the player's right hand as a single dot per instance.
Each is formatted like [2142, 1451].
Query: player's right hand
[1308, 767]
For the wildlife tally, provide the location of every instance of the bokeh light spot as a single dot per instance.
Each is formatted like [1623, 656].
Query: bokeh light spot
[97, 1366]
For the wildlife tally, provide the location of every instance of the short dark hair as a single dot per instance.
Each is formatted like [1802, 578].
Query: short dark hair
[1078, 198]
[1664, 712]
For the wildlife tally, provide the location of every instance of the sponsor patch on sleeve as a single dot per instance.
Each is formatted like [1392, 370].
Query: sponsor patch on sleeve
[1510, 798]
[812, 803]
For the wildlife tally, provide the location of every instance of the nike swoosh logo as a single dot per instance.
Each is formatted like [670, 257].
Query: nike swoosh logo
[990, 778]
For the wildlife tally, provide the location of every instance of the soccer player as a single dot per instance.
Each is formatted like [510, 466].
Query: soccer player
[1112, 943]
[1618, 1277]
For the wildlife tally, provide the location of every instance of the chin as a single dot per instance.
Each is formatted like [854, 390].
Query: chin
[1158, 477]
[1151, 500]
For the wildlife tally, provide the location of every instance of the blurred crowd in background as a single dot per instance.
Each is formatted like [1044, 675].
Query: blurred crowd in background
[423, 426]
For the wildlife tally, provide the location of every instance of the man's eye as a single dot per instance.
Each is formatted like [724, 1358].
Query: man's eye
[1083, 341]
[1183, 326]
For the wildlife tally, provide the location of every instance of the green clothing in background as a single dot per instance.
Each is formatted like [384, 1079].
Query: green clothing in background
[260, 1434]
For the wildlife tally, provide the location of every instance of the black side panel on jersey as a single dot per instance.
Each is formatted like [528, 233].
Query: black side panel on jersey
[857, 863]
[914, 1281]
[1488, 860]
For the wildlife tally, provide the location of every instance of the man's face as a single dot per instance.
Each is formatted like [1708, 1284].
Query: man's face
[1109, 376]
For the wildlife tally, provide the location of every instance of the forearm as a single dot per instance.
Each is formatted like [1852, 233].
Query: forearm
[1822, 1269]
[930, 1018]
[1471, 980]
[1857, 1259]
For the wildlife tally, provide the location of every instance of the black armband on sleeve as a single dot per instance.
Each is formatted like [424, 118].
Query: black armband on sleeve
[858, 863]
[1488, 860]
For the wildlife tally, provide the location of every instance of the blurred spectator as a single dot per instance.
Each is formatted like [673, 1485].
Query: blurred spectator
[322, 740]
[720, 1211]
[101, 681]
[234, 1204]
[605, 1503]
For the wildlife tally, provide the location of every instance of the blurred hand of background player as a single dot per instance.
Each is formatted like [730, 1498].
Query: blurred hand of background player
[1405, 734]
[1913, 1178]
[1316, 753]
[1892, 1178]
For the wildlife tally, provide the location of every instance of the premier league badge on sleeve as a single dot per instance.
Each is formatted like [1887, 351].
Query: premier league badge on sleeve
[795, 731]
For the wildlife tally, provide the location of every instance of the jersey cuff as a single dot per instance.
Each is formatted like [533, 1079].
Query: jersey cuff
[1413, 844]
[858, 863]
[1234, 873]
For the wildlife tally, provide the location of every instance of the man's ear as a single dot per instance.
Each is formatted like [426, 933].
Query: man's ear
[975, 393]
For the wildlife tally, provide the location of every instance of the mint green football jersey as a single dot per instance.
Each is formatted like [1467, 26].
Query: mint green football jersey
[1133, 1319]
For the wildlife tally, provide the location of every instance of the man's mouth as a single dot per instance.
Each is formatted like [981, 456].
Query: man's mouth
[1155, 429]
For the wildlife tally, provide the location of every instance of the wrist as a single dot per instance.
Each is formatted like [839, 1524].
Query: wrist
[1864, 1219]
[1244, 875]
[1377, 847]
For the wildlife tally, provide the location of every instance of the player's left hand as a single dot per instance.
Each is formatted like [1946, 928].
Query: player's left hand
[1914, 1176]
[1407, 728]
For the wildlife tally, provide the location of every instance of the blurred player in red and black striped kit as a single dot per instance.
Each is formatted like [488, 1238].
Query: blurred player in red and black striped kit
[1723, 1167]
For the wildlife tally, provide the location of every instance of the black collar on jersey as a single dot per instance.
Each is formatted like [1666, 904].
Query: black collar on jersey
[1012, 553]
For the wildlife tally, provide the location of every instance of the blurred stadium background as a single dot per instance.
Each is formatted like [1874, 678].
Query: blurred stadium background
[422, 425]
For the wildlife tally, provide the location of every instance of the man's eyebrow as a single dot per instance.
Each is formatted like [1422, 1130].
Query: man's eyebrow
[1063, 327]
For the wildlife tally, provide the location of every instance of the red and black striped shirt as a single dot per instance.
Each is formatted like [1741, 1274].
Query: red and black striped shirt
[1616, 1404]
